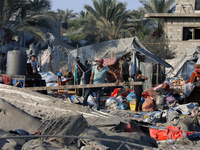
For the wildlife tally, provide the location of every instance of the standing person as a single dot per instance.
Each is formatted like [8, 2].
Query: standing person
[77, 70]
[138, 88]
[124, 70]
[33, 63]
[98, 77]
[87, 72]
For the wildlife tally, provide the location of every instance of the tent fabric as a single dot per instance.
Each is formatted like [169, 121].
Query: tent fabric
[119, 47]
[133, 65]
[147, 71]
[109, 61]
[45, 61]
[181, 67]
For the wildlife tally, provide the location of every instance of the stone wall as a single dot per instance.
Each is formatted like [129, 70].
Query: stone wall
[185, 6]
[174, 32]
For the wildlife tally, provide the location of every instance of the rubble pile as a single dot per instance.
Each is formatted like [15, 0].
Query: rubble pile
[61, 124]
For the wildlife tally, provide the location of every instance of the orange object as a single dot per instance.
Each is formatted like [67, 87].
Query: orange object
[192, 78]
[130, 128]
[148, 105]
[171, 132]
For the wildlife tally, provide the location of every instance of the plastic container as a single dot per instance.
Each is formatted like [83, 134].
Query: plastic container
[160, 100]
[132, 105]
[59, 74]
[16, 63]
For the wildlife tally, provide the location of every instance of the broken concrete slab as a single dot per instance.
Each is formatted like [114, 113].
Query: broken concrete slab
[14, 118]
[66, 125]
[134, 137]
[9, 145]
[41, 145]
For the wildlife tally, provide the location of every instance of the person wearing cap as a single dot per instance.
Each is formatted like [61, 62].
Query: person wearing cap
[98, 77]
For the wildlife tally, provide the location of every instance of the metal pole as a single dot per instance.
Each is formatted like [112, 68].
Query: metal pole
[157, 76]
[83, 83]
[76, 50]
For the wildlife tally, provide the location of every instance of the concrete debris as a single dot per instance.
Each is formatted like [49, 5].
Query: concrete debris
[14, 118]
[42, 115]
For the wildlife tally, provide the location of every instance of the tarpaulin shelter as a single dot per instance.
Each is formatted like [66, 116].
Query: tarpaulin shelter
[119, 48]
[183, 66]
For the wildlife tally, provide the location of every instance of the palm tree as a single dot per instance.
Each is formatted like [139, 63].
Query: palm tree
[157, 6]
[34, 14]
[8, 8]
[82, 14]
[33, 24]
[66, 15]
[111, 17]
[39, 5]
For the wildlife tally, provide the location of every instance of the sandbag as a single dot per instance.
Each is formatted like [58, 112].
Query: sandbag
[148, 105]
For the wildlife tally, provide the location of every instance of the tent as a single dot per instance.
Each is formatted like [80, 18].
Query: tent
[183, 66]
[119, 48]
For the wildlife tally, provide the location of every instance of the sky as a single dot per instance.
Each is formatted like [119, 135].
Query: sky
[78, 5]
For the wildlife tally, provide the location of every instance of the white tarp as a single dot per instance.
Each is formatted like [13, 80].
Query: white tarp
[133, 65]
[182, 66]
[147, 71]
[49, 77]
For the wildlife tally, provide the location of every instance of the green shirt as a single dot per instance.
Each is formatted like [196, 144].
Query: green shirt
[125, 67]
[99, 76]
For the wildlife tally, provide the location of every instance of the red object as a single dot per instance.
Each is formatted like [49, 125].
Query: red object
[130, 128]
[171, 132]
[109, 62]
[120, 92]
[145, 95]
[114, 93]
[6, 79]
[166, 87]
[197, 70]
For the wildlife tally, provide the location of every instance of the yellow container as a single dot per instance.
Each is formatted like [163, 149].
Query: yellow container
[132, 105]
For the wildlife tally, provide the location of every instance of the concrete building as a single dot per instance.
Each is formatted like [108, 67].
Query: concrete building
[182, 27]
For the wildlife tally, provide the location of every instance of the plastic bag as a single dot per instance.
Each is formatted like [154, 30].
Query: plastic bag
[91, 100]
[112, 103]
[123, 106]
[170, 99]
[148, 105]
[131, 97]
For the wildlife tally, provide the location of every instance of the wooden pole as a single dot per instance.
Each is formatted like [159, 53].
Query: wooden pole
[82, 86]
[112, 54]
